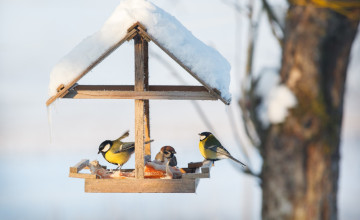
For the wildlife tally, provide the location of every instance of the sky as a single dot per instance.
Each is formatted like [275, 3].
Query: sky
[39, 144]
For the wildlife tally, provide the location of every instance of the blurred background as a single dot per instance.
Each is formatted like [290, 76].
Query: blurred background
[39, 144]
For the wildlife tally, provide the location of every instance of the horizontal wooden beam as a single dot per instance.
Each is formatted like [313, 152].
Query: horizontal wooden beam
[64, 91]
[140, 185]
[127, 92]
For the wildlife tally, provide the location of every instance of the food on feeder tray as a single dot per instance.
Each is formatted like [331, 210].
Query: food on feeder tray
[153, 170]
[170, 172]
[98, 170]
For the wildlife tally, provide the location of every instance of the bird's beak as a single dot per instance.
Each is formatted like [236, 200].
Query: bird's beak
[99, 152]
[199, 134]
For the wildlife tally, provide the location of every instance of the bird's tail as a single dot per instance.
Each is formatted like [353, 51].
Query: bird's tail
[242, 164]
[126, 134]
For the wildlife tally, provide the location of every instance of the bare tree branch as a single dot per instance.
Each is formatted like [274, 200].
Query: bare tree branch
[274, 22]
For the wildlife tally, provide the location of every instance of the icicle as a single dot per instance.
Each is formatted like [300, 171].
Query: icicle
[49, 114]
[227, 109]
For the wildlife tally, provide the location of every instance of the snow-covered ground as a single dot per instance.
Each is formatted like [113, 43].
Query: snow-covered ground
[35, 35]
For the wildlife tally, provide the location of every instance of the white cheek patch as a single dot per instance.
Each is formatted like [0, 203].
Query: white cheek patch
[202, 137]
[106, 148]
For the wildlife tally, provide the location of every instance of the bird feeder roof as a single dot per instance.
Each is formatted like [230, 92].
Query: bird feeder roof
[204, 63]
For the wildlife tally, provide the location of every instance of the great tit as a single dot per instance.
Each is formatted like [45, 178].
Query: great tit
[166, 155]
[118, 152]
[212, 149]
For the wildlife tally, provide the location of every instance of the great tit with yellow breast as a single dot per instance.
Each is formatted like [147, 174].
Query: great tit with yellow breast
[167, 155]
[211, 148]
[118, 152]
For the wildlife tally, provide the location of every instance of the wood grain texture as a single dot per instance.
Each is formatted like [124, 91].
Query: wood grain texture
[140, 186]
[145, 95]
[141, 82]
[139, 139]
[82, 175]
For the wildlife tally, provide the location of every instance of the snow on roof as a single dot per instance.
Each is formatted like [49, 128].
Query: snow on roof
[207, 63]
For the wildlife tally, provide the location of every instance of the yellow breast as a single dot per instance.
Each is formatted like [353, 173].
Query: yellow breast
[119, 158]
[207, 154]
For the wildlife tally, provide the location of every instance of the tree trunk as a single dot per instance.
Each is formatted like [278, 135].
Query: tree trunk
[301, 156]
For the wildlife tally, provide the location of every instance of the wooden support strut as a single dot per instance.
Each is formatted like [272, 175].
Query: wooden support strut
[127, 92]
[142, 125]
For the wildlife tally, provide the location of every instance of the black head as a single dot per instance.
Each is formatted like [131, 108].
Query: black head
[105, 146]
[204, 135]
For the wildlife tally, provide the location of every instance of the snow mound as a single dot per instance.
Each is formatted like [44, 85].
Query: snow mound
[203, 60]
[277, 99]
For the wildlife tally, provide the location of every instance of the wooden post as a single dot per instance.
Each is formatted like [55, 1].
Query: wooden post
[142, 128]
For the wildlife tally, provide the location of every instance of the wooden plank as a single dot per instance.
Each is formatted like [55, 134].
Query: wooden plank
[213, 91]
[145, 95]
[82, 175]
[127, 92]
[79, 166]
[139, 139]
[79, 88]
[195, 165]
[136, 26]
[145, 84]
[195, 175]
[147, 130]
[207, 164]
[63, 92]
[140, 85]
[140, 186]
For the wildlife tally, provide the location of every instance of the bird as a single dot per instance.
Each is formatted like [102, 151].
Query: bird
[166, 155]
[116, 151]
[211, 148]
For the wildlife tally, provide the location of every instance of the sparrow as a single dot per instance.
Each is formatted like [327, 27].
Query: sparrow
[211, 148]
[166, 156]
[116, 151]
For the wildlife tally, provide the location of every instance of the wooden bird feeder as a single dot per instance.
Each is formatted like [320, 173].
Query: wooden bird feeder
[141, 92]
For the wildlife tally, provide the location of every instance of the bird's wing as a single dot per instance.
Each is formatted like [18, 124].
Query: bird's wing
[173, 161]
[219, 149]
[126, 134]
[125, 147]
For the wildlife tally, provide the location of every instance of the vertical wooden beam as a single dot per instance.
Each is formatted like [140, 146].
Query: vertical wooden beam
[142, 129]
[146, 102]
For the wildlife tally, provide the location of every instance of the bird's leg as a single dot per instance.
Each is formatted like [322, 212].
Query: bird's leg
[119, 167]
